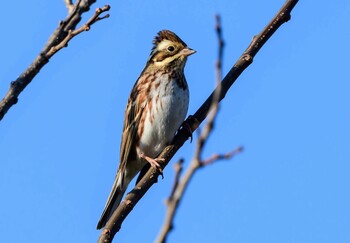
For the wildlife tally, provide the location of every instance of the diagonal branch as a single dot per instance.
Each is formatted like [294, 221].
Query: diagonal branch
[114, 224]
[59, 39]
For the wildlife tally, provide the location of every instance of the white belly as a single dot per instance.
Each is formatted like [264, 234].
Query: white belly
[165, 119]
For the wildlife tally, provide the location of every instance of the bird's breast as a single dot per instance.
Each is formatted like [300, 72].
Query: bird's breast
[166, 109]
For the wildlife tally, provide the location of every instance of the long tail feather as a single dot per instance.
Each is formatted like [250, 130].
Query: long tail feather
[113, 201]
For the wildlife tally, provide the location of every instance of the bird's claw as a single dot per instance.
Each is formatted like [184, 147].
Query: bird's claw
[186, 125]
[154, 163]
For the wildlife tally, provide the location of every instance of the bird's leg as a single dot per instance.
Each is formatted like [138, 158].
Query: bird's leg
[153, 162]
[186, 125]
[188, 128]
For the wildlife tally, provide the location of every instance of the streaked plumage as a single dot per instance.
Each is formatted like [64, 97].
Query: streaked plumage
[156, 108]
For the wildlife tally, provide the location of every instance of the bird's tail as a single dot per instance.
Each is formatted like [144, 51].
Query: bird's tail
[114, 199]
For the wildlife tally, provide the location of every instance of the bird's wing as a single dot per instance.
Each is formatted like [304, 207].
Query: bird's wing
[134, 111]
[133, 114]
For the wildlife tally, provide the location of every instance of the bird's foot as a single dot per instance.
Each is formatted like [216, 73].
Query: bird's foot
[154, 163]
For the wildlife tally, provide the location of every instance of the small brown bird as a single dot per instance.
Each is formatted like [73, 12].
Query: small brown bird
[156, 108]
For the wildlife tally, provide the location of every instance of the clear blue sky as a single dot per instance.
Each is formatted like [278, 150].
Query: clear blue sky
[59, 145]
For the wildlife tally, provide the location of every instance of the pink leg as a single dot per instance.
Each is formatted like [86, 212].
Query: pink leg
[154, 162]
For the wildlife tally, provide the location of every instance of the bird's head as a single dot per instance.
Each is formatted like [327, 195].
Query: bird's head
[169, 49]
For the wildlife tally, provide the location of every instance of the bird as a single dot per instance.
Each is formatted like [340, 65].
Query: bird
[156, 108]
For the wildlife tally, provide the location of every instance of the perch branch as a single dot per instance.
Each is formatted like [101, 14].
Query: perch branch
[116, 220]
[59, 39]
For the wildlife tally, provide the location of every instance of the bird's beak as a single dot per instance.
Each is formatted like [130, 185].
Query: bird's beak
[187, 51]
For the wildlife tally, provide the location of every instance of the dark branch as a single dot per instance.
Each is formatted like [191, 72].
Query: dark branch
[114, 224]
[59, 39]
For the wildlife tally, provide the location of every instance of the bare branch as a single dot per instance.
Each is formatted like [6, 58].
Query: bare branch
[173, 202]
[214, 107]
[116, 220]
[168, 223]
[59, 39]
[86, 27]
[221, 49]
[69, 5]
[196, 163]
[216, 157]
[178, 167]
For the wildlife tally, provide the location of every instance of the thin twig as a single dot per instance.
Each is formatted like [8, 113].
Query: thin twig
[221, 49]
[178, 167]
[196, 163]
[114, 223]
[59, 39]
[174, 202]
[216, 157]
[214, 107]
[86, 27]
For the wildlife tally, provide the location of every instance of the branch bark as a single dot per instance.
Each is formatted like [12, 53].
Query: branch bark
[59, 39]
[69, 5]
[114, 224]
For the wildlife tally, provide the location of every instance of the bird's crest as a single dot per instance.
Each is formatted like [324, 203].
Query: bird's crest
[166, 35]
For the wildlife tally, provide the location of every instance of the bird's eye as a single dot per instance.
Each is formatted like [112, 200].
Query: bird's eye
[171, 48]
